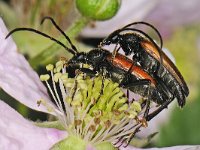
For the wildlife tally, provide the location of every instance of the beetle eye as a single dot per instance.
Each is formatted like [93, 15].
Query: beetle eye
[105, 42]
[115, 39]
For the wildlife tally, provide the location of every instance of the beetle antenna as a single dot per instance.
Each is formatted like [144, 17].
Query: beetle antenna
[61, 31]
[43, 34]
[149, 25]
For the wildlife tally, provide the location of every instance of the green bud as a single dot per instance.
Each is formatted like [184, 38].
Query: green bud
[98, 9]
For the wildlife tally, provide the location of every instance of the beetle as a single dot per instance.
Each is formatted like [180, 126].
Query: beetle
[150, 57]
[99, 61]
[120, 69]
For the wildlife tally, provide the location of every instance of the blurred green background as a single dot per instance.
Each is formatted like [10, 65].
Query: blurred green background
[181, 37]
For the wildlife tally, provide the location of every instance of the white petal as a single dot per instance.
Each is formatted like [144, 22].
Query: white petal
[17, 78]
[18, 133]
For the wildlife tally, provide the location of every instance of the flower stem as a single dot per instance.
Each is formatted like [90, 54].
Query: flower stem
[34, 11]
[77, 26]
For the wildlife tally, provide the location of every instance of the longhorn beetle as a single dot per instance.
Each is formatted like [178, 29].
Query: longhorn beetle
[150, 57]
[119, 69]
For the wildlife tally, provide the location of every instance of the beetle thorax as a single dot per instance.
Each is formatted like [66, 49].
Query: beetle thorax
[130, 43]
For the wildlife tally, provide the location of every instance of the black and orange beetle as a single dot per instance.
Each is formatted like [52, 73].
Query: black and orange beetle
[147, 54]
[100, 61]
[120, 69]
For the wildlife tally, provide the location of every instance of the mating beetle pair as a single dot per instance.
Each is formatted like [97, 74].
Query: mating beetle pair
[149, 73]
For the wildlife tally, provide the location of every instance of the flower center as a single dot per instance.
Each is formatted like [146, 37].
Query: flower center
[92, 108]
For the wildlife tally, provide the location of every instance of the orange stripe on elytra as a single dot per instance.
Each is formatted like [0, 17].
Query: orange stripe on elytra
[125, 64]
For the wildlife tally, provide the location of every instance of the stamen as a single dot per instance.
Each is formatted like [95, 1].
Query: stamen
[52, 94]
[59, 104]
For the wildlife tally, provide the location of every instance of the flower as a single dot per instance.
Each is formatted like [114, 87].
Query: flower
[20, 81]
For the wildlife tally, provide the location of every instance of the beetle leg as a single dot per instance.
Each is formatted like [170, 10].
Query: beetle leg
[132, 135]
[74, 89]
[116, 50]
[147, 108]
[157, 111]
[146, 112]
[148, 102]
[127, 93]
[89, 72]
[127, 75]
[136, 83]
[102, 83]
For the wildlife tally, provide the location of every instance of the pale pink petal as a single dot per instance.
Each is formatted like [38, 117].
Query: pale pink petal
[90, 147]
[17, 78]
[185, 147]
[159, 120]
[17, 133]
[169, 15]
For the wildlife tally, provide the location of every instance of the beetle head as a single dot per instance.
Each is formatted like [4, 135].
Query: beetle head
[113, 38]
[78, 58]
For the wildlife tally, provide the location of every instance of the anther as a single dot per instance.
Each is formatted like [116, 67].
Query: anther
[107, 123]
[77, 122]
